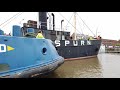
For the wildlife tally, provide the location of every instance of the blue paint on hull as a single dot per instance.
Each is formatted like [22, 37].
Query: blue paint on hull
[29, 56]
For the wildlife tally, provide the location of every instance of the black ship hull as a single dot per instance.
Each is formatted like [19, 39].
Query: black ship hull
[78, 51]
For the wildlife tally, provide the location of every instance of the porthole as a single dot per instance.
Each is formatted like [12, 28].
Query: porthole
[44, 51]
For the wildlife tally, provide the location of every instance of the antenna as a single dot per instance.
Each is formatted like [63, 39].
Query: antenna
[75, 24]
[86, 25]
[96, 31]
[20, 22]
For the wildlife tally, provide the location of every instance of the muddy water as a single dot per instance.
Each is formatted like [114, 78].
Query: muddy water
[105, 65]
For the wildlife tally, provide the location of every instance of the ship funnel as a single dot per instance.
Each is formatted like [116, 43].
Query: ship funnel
[43, 20]
[53, 21]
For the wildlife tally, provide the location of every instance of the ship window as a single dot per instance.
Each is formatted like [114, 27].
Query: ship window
[44, 50]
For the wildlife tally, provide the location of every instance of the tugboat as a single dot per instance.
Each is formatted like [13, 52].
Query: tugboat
[23, 57]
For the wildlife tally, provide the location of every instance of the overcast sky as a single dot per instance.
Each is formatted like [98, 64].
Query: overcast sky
[106, 24]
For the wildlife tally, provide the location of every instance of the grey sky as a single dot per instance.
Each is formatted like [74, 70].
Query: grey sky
[107, 24]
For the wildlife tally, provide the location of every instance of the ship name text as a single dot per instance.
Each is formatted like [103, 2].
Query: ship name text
[71, 43]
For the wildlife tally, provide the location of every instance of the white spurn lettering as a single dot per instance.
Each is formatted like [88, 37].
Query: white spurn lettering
[2, 48]
[67, 42]
[82, 42]
[88, 43]
[57, 42]
[75, 43]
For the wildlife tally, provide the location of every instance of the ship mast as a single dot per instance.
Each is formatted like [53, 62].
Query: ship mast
[75, 25]
[49, 22]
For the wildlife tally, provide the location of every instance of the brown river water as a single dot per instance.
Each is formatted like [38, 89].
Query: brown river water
[105, 65]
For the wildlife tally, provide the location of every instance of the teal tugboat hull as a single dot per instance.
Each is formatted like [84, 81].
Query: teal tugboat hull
[22, 57]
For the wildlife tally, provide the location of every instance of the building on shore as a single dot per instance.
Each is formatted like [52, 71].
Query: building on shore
[110, 43]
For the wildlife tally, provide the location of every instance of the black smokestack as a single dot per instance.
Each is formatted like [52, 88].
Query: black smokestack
[53, 21]
[43, 20]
